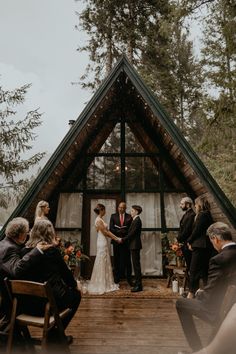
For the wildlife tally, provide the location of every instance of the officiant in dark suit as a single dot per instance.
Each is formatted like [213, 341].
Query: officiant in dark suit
[119, 226]
[134, 241]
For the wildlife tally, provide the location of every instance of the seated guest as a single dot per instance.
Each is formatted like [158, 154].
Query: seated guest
[12, 264]
[225, 340]
[222, 272]
[53, 269]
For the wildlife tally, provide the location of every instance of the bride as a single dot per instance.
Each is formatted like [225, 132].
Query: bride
[102, 280]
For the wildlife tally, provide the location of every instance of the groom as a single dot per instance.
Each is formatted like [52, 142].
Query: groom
[119, 226]
[134, 241]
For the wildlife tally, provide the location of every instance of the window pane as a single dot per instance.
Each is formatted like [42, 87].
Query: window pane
[112, 144]
[131, 142]
[141, 173]
[69, 212]
[104, 173]
[150, 203]
[173, 212]
[151, 253]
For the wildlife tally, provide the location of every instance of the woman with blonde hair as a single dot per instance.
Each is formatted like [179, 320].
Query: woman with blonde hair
[42, 210]
[200, 245]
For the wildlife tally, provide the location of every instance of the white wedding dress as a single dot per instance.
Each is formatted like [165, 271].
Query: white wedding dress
[102, 280]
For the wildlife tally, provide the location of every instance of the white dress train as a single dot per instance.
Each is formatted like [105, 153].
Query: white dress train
[102, 280]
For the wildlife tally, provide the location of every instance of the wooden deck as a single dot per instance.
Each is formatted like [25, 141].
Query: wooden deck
[131, 326]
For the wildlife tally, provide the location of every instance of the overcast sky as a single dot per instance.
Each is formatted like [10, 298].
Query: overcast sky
[38, 45]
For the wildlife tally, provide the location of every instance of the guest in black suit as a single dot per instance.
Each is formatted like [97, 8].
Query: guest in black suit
[12, 264]
[186, 227]
[200, 245]
[225, 339]
[53, 269]
[135, 245]
[222, 272]
[119, 226]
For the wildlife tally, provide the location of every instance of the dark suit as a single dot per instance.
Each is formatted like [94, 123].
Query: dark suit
[13, 266]
[134, 241]
[122, 261]
[222, 272]
[185, 230]
[202, 250]
[53, 269]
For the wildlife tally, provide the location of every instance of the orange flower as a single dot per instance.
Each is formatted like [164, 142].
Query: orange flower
[175, 247]
[66, 257]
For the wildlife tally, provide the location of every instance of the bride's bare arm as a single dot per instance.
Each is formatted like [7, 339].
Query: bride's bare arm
[100, 227]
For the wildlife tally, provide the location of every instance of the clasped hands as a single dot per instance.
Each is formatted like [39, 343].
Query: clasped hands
[120, 240]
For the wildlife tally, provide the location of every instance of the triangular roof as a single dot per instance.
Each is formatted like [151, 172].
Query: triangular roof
[124, 82]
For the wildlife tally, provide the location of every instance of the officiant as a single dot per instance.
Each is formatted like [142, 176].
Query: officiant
[119, 225]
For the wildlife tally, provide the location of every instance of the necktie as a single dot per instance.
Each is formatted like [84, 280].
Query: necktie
[121, 219]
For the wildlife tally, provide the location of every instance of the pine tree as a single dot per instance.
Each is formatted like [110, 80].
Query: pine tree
[16, 135]
[115, 27]
[219, 58]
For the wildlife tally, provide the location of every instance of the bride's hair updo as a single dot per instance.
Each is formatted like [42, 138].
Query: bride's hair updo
[99, 208]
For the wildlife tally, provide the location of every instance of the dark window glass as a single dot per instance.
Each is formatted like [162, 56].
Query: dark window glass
[131, 142]
[104, 173]
[112, 144]
[141, 173]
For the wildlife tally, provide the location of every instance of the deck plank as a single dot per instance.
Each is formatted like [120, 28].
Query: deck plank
[130, 326]
[139, 326]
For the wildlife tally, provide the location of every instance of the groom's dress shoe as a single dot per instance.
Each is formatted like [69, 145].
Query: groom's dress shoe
[129, 281]
[136, 289]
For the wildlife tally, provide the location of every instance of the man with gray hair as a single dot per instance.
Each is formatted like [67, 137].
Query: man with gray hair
[186, 227]
[222, 273]
[12, 264]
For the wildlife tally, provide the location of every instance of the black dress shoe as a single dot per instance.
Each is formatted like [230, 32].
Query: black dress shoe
[69, 340]
[130, 282]
[136, 289]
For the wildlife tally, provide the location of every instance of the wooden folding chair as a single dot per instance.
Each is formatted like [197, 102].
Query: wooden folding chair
[52, 317]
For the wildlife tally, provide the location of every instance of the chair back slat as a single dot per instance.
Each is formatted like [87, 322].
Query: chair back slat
[21, 287]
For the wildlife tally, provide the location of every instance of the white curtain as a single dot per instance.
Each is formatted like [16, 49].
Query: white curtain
[151, 253]
[173, 212]
[69, 211]
[150, 203]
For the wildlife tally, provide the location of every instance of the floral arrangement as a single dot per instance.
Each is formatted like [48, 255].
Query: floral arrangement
[171, 249]
[72, 253]
[176, 248]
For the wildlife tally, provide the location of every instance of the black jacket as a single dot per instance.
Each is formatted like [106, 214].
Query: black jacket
[52, 268]
[115, 224]
[134, 234]
[12, 264]
[198, 237]
[186, 226]
[222, 272]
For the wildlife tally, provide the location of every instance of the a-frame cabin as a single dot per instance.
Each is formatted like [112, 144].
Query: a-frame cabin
[123, 146]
